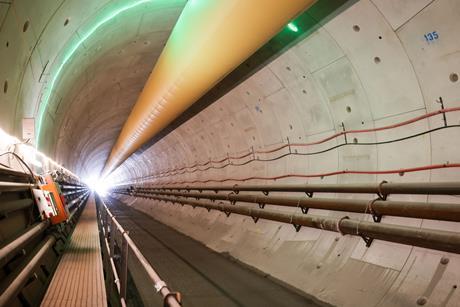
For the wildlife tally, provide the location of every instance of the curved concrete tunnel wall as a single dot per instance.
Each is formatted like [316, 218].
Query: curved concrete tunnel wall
[368, 67]
[98, 83]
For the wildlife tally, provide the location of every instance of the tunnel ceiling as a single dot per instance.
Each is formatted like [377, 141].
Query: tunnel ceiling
[84, 64]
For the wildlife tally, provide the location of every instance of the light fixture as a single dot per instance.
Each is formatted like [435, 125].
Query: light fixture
[292, 27]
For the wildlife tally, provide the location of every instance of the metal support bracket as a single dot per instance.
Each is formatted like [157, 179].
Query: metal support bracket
[375, 216]
[309, 194]
[344, 133]
[297, 227]
[367, 240]
[440, 101]
[304, 210]
[261, 205]
[380, 194]
[255, 218]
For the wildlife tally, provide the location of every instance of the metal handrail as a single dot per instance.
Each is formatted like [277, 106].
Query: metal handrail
[171, 299]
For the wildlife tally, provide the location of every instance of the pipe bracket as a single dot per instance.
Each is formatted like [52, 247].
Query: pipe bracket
[367, 240]
[380, 193]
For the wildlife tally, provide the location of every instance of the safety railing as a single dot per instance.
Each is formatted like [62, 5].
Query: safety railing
[254, 207]
[110, 229]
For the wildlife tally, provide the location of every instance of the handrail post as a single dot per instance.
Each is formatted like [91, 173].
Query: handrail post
[112, 238]
[124, 266]
[106, 228]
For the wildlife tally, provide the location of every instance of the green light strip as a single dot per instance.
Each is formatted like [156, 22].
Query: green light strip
[293, 27]
[69, 55]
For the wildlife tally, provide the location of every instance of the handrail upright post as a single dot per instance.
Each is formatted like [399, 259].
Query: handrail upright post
[106, 215]
[124, 266]
[112, 238]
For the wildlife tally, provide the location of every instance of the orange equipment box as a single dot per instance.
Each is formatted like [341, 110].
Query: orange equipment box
[61, 208]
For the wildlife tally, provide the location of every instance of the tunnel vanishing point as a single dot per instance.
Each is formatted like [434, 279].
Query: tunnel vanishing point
[230, 153]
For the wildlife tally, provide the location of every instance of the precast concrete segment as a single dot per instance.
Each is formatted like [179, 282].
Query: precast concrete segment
[210, 39]
[79, 278]
[203, 277]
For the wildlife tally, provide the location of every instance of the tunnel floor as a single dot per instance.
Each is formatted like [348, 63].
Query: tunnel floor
[204, 277]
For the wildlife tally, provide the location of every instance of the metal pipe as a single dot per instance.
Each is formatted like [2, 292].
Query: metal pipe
[14, 205]
[159, 284]
[73, 192]
[18, 243]
[15, 186]
[18, 281]
[428, 238]
[210, 39]
[378, 207]
[73, 209]
[72, 203]
[384, 188]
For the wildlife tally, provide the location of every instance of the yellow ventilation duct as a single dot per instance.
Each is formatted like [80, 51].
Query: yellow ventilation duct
[210, 39]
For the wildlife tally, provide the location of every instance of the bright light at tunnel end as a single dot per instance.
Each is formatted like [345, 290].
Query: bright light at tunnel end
[98, 185]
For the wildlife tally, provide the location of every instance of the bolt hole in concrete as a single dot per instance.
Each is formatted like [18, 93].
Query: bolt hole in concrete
[5, 87]
[356, 28]
[66, 21]
[25, 26]
[377, 60]
[380, 37]
[348, 108]
[355, 140]
[7, 44]
[453, 77]
[422, 301]
[444, 260]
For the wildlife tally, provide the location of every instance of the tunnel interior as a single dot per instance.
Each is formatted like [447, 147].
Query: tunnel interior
[346, 92]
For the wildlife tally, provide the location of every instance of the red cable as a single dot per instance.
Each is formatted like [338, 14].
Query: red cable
[395, 171]
[410, 121]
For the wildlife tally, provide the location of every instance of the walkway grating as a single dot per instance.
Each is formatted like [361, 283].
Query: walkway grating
[79, 278]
